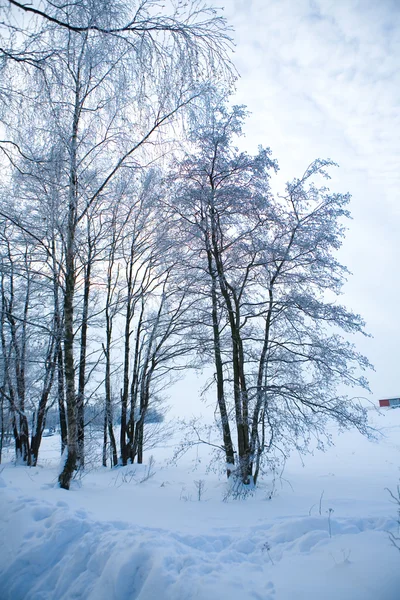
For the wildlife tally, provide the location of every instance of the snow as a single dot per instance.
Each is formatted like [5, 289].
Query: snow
[119, 534]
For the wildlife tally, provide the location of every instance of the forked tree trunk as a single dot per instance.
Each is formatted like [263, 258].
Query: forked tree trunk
[50, 362]
[239, 382]
[18, 349]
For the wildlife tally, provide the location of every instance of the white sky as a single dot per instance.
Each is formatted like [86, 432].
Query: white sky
[322, 80]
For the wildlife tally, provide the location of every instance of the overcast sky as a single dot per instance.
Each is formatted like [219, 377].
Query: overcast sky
[322, 79]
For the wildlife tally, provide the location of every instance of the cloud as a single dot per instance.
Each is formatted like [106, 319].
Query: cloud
[322, 79]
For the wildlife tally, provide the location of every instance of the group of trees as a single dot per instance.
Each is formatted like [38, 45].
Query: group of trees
[266, 269]
[136, 239]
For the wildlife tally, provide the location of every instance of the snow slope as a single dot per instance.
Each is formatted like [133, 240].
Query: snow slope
[323, 534]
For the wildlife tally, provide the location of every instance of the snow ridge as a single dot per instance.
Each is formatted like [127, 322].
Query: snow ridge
[64, 554]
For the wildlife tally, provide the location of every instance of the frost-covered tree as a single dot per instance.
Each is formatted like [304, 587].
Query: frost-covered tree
[29, 340]
[96, 84]
[302, 334]
[268, 275]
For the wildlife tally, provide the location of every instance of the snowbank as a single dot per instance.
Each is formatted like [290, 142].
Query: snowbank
[117, 537]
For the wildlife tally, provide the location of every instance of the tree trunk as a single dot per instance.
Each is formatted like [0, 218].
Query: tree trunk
[226, 430]
[82, 359]
[105, 437]
[1, 424]
[41, 413]
[108, 413]
[127, 337]
[144, 404]
[135, 384]
[61, 400]
[260, 401]
[239, 382]
[69, 369]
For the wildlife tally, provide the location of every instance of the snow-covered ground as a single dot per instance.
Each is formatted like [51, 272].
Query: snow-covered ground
[118, 535]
